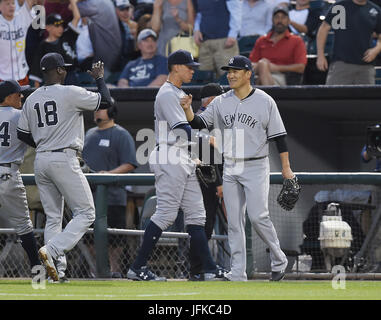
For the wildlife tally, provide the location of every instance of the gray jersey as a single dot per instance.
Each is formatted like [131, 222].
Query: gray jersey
[169, 114]
[11, 148]
[253, 121]
[53, 115]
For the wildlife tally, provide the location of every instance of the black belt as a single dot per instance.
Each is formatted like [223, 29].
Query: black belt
[246, 159]
[59, 150]
[8, 165]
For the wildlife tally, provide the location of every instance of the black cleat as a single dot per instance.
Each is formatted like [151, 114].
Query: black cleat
[277, 275]
[143, 274]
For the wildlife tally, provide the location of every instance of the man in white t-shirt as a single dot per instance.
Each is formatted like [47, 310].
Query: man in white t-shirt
[13, 29]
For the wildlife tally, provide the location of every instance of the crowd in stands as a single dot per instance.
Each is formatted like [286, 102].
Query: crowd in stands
[289, 46]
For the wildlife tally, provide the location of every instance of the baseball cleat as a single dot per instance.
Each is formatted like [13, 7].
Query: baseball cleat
[219, 275]
[143, 274]
[277, 275]
[47, 259]
[63, 279]
[197, 277]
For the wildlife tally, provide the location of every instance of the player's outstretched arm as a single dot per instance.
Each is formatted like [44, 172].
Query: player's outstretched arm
[97, 72]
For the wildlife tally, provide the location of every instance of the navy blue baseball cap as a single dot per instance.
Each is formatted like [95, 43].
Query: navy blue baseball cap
[9, 87]
[239, 63]
[54, 19]
[182, 57]
[52, 60]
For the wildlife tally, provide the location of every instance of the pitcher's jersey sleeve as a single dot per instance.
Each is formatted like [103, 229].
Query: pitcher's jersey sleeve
[168, 109]
[275, 126]
[211, 116]
[82, 99]
[23, 124]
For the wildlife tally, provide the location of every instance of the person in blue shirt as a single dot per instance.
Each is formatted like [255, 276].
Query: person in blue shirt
[109, 148]
[365, 157]
[216, 29]
[149, 70]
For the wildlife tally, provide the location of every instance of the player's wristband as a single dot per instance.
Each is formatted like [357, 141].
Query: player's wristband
[105, 94]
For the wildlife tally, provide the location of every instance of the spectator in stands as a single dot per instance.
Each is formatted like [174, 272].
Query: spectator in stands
[150, 69]
[365, 157]
[128, 30]
[59, 40]
[84, 47]
[276, 3]
[144, 22]
[169, 18]
[280, 57]
[104, 32]
[256, 17]
[304, 19]
[352, 58]
[13, 30]
[109, 148]
[216, 29]
[142, 7]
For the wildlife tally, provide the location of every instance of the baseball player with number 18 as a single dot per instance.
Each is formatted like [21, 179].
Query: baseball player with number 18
[246, 178]
[52, 120]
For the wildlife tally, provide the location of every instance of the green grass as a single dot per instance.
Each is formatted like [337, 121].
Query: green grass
[183, 290]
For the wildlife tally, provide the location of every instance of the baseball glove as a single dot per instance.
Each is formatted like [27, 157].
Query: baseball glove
[206, 174]
[289, 194]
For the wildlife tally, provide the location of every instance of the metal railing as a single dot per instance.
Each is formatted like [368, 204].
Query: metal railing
[288, 224]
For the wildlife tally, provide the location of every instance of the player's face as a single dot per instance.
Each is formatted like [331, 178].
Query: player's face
[186, 73]
[14, 100]
[237, 78]
[8, 8]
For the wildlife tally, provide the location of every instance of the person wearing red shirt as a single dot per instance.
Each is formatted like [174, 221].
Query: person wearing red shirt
[279, 56]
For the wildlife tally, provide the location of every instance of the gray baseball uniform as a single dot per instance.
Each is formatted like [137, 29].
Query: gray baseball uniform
[176, 182]
[253, 121]
[53, 115]
[13, 201]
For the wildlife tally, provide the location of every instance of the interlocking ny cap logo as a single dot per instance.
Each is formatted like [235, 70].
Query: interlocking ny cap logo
[231, 61]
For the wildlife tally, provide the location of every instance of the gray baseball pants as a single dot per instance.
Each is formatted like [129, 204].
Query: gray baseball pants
[246, 186]
[13, 201]
[59, 177]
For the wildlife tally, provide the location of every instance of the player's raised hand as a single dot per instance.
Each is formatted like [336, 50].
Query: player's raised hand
[186, 101]
[97, 70]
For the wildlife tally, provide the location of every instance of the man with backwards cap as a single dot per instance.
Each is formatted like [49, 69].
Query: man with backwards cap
[253, 119]
[175, 179]
[52, 121]
[13, 201]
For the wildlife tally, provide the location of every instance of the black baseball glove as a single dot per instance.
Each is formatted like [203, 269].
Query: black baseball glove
[289, 194]
[206, 174]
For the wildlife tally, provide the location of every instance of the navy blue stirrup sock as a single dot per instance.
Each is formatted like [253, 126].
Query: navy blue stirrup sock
[28, 242]
[150, 238]
[199, 247]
